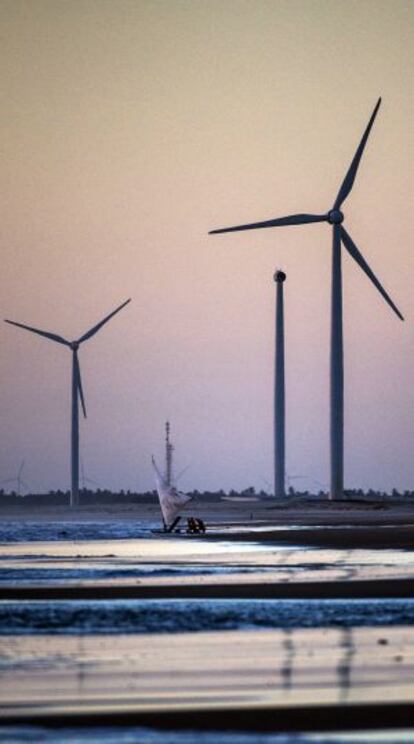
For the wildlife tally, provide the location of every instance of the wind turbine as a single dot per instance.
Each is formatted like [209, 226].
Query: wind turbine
[335, 218]
[18, 480]
[77, 390]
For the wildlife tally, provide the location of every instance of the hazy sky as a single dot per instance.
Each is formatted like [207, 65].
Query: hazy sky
[131, 128]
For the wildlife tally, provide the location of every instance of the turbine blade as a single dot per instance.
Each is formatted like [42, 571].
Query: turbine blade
[358, 257]
[20, 469]
[46, 334]
[349, 179]
[79, 385]
[99, 325]
[293, 219]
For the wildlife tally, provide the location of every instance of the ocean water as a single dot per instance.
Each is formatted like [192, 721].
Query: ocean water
[66, 617]
[27, 531]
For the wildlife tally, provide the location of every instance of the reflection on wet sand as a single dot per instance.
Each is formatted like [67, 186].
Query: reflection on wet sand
[345, 663]
[287, 668]
[47, 675]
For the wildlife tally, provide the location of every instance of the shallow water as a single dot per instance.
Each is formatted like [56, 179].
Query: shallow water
[174, 616]
[26, 531]
[135, 735]
[52, 531]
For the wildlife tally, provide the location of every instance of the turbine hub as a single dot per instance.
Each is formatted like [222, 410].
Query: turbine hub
[74, 346]
[279, 276]
[335, 216]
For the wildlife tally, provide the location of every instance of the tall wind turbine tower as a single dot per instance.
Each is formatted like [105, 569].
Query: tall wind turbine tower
[335, 217]
[279, 400]
[77, 391]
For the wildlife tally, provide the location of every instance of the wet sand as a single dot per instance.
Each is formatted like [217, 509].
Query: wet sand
[386, 589]
[378, 536]
[247, 680]
[291, 679]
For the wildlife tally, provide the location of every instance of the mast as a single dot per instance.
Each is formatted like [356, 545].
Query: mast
[168, 456]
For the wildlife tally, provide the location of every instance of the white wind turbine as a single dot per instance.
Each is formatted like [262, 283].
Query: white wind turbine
[334, 217]
[77, 391]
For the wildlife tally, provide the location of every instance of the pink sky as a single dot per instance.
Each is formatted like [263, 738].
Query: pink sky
[129, 130]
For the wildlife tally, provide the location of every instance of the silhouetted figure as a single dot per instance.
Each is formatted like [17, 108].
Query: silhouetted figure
[195, 526]
[191, 525]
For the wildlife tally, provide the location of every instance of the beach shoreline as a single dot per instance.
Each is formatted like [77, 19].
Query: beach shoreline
[347, 525]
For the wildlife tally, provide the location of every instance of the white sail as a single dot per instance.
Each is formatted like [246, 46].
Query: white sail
[171, 500]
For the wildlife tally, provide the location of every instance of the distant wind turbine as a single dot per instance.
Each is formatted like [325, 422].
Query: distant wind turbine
[335, 218]
[77, 391]
[18, 480]
[85, 479]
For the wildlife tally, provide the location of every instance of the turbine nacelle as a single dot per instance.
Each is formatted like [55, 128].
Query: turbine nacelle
[74, 345]
[335, 217]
